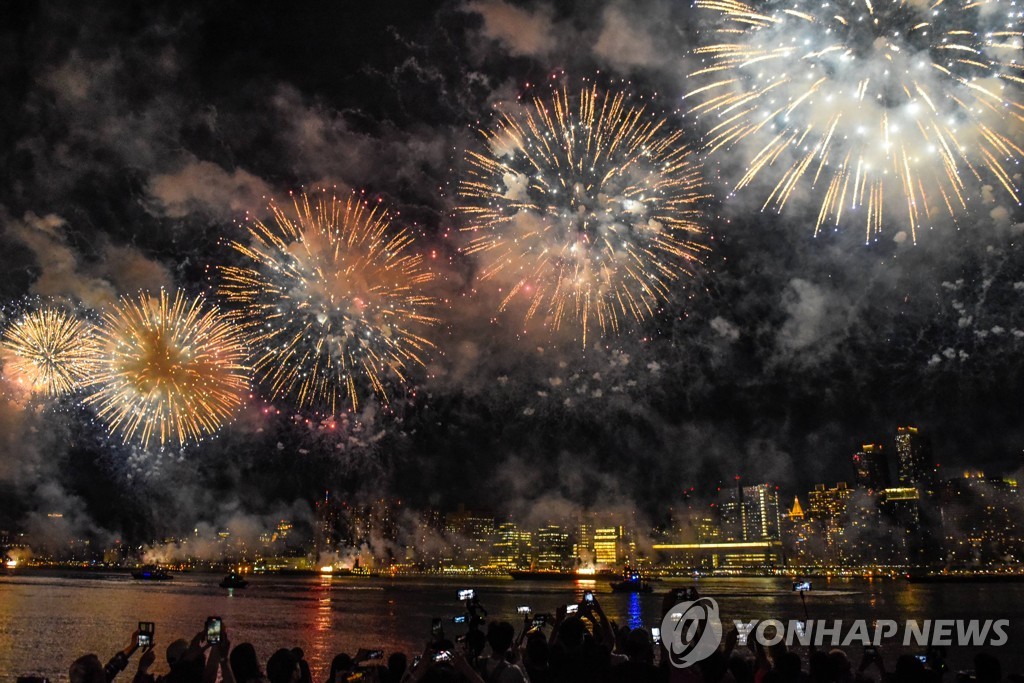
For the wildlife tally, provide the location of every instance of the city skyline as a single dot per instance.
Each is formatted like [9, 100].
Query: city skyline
[922, 520]
[143, 150]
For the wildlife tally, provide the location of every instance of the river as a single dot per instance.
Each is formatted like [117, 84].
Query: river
[47, 619]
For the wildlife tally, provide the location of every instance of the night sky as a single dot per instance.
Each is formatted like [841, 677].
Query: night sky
[134, 139]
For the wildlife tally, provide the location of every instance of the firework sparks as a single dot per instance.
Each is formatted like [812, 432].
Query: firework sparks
[51, 351]
[334, 297]
[587, 204]
[876, 106]
[171, 368]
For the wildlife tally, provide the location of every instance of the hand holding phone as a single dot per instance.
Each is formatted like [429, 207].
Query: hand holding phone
[144, 640]
[214, 625]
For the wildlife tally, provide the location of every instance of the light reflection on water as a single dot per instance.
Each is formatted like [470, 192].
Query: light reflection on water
[635, 616]
[46, 620]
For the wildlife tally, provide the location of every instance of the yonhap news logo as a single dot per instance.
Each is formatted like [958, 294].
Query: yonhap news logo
[691, 631]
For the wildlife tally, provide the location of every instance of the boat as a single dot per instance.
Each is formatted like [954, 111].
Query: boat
[631, 583]
[151, 573]
[234, 580]
[542, 575]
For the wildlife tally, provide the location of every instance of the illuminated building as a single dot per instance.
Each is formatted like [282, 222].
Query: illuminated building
[583, 544]
[511, 548]
[553, 549]
[799, 538]
[750, 513]
[328, 524]
[608, 550]
[981, 520]
[871, 468]
[829, 504]
[913, 458]
[472, 536]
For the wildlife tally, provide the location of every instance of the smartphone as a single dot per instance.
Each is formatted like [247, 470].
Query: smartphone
[922, 658]
[443, 656]
[213, 628]
[436, 630]
[870, 651]
[571, 609]
[523, 609]
[656, 635]
[467, 594]
[146, 630]
[540, 620]
[461, 619]
[801, 586]
[375, 654]
[588, 597]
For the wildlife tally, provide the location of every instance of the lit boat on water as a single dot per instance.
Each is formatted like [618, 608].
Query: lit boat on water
[151, 573]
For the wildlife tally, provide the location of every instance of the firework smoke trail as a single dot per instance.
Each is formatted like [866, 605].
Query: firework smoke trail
[334, 299]
[588, 204]
[170, 368]
[868, 102]
[51, 351]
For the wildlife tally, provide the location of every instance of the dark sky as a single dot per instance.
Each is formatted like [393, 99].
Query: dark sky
[133, 140]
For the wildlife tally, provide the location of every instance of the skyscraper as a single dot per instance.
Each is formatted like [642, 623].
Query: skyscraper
[871, 468]
[608, 546]
[553, 549]
[750, 513]
[511, 547]
[913, 455]
[829, 504]
[473, 536]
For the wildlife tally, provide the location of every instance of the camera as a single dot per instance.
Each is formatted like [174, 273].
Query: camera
[467, 594]
[213, 629]
[801, 586]
[523, 609]
[146, 630]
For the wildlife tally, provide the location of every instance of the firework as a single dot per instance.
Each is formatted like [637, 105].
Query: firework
[587, 205]
[50, 350]
[334, 298]
[884, 107]
[171, 369]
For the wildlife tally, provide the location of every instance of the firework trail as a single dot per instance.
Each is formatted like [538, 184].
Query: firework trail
[333, 297]
[882, 107]
[170, 368]
[50, 351]
[588, 204]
